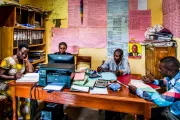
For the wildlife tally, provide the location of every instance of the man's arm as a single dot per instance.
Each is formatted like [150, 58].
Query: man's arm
[126, 67]
[105, 66]
[150, 79]
[159, 82]
[163, 100]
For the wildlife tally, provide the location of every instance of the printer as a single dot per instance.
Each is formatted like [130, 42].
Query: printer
[57, 73]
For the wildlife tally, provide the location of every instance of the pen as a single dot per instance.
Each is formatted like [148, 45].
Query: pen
[102, 69]
[122, 84]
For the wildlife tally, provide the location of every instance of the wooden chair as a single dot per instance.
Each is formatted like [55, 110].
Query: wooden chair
[83, 60]
[3, 98]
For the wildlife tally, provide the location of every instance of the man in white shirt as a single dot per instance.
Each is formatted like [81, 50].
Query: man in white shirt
[118, 64]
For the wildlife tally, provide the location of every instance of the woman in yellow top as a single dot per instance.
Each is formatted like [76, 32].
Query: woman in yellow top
[12, 68]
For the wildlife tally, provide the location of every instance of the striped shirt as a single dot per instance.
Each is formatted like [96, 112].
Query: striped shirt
[112, 66]
[170, 98]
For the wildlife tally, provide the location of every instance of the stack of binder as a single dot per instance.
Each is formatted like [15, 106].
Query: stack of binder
[36, 55]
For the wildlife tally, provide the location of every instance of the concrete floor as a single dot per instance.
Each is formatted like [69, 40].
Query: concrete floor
[79, 113]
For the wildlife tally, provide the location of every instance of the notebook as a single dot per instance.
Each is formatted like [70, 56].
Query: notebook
[79, 82]
[141, 85]
[96, 90]
[29, 77]
[79, 88]
[79, 76]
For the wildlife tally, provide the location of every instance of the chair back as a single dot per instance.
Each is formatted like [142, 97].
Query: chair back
[83, 59]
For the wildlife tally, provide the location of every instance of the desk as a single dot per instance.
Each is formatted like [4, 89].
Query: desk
[121, 101]
[125, 79]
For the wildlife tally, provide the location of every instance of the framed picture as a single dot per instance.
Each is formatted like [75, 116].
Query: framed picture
[135, 50]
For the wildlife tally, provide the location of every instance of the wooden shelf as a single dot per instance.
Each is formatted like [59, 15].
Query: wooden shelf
[23, 7]
[24, 28]
[32, 46]
[11, 29]
[38, 61]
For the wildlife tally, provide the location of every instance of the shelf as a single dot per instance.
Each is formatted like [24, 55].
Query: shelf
[24, 28]
[38, 61]
[36, 45]
[23, 7]
[32, 46]
[14, 18]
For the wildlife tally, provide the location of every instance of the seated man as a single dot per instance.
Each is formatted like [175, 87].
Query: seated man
[118, 64]
[62, 49]
[169, 102]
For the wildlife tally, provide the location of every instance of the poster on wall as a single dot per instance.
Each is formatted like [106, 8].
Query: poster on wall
[80, 37]
[70, 36]
[171, 16]
[112, 46]
[92, 37]
[117, 26]
[139, 21]
[92, 14]
[137, 4]
[135, 51]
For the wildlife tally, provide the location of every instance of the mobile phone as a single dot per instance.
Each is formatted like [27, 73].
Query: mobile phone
[101, 83]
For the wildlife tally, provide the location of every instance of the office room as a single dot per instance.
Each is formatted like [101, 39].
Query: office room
[121, 59]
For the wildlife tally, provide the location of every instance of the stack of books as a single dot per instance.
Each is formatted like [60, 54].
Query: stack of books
[35, 55]
[82, 82]
[78, 83]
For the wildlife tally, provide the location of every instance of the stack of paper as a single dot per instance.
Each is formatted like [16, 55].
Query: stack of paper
[96, 90]
[79, 88]
[29, 77]
[55, 86]
[79, 76]
[81, 82]
[141, 85]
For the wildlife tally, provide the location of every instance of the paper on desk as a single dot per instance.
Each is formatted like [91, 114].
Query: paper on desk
[108, 76]
[79, 88]
[81, 82]
[54, 86]
[79, 76]
[29, 77]
[141, 85]
[90, 82]
[96, 90]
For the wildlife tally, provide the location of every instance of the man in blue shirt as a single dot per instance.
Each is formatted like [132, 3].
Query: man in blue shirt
[168, 102]
[118, 64]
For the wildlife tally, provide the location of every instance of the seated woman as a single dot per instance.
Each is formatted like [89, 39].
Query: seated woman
[62, 49]
[118, 64]
[13, 67]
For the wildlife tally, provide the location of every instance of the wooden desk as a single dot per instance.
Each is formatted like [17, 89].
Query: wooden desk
[121, 101]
